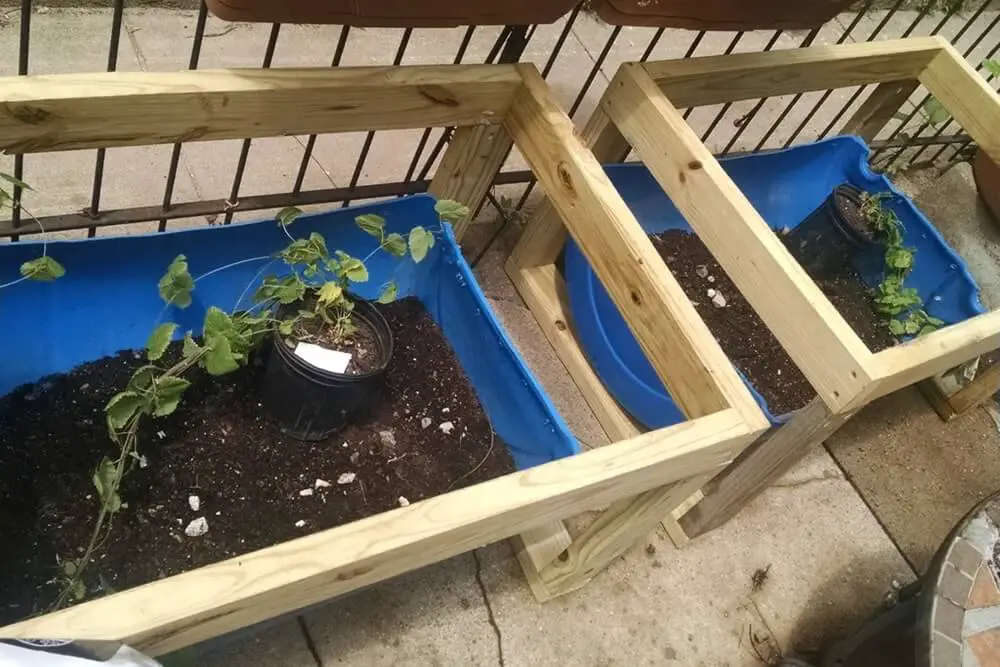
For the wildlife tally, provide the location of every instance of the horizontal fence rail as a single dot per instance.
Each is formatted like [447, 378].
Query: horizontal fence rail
[577, 55]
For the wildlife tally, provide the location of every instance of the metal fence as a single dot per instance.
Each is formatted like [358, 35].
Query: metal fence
[579, 45]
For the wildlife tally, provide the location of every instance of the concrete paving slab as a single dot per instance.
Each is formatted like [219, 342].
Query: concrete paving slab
[919, 475]
[434, 616]
[280, 645]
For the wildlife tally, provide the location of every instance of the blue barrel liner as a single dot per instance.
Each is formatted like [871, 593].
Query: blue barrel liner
[108, 301]
[785, 187]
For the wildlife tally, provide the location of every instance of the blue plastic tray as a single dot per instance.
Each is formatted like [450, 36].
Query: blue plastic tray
[785, 187]
[108, 301]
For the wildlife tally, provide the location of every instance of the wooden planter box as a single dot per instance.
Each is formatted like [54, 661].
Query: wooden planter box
[639, 110]
[643, 477]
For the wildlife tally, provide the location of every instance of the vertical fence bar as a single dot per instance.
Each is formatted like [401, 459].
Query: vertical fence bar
[652, 45]
[366, 147]
[116, 33]
[175, 155]
[23, 48]
[241, 164]
[338, 54]
[728, 105]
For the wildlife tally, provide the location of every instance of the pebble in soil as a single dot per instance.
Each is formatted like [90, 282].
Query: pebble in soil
[219, 446]
[741, 333]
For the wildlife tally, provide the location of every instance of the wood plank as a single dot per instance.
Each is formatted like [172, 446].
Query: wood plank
[812, 331]
[695, 82]
[468, 167]
[545, 235]
[965, 94]
[544, 292]
[985, 385]
[179, 611]
[879, 108]
[760, 465]
[934, 353]
[672, 523]
[675, 340]
[71, 111]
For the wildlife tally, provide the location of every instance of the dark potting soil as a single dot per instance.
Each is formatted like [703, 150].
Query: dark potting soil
[850, 212]
[362, 345]
[256, 487]
[741, 333]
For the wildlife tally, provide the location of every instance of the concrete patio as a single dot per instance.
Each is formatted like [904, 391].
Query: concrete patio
[839, 533]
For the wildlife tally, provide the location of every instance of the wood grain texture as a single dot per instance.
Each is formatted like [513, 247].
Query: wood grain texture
[694, 495]
[468, 167]
[879, 108]
[544, 235]
[71, 111]
[695, 82]
[965, 94]
[985, 385]
[812, 331]
[179, 611]
[760, 465]
[934, 353]
[675, 340]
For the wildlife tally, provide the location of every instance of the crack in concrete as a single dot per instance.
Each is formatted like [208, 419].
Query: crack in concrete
[489, 607]
[310, 644]
[827, 476]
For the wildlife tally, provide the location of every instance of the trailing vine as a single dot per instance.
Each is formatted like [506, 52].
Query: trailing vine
[44, 268]
[902, 308]
[315, 276]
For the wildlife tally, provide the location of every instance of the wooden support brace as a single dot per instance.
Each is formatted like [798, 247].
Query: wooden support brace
[950, 405]
[473, 159]
[879, 108]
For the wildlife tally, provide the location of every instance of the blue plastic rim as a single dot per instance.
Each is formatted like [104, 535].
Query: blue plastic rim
[785, 187]
[108, 301]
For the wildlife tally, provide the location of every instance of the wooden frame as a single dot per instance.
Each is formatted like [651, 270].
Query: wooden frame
[639, 110]
[641, 476]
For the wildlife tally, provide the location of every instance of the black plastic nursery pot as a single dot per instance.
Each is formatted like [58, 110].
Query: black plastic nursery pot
[834, 234]
[311, 403]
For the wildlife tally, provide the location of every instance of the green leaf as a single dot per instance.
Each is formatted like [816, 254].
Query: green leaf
[389, 292]
[217, 323]
[159, 340]
[16, 182]
[43, 268]
[220, 360]
[934, 321]
[79, 590]
[896, 327]
[68, 566]
[992, 66]
[330, 293]
[935, 112]
[395, 244]
[190, 348]
[285, 327]
[371, 224]
[352, 268]
[899, 258]
[421, 241]
[122, 407]
[168, 394]
[106, 483]
[4, 198]
[176, 284]
[142, 379]
[288, 215]
[911, 326]
[450, 210]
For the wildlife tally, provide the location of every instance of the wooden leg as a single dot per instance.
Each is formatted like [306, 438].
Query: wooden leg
[760, 465]
[879, 108]
[950, 405]
[672, 522]
[474, 156]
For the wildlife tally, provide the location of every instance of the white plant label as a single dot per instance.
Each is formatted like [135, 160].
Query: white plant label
[334, 361]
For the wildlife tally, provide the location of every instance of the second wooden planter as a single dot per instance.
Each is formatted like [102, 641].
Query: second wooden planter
[987, 173]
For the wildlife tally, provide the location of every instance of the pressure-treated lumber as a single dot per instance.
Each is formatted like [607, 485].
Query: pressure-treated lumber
[879, 108]
[471, 162]
[680, 347]
[71, 111]
[760, 465]
[695, 82]
[950, 403]
[173, 613]
[812, 331]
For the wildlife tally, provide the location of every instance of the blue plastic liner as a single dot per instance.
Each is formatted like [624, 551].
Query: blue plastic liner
[108, 301]
[785, 187]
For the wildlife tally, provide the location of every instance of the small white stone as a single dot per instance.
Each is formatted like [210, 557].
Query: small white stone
[197, 528]
[306, 492]
[447, 427]
[719, 301]
[711, 279]
[403, 502]
[344, 445]
[300, 523]
[85, 386]
[710, 293]
[425, 422]
[445, 409]
[785, 231]
[321, 484]
[143, 461]
[194, 502]
[388, 439]
[161, 435]
[701, 270]
[346, 478]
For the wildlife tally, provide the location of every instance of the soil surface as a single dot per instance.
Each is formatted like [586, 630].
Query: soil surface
[850, 212]
[363, 345]
[750, 345]
[255, 487]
